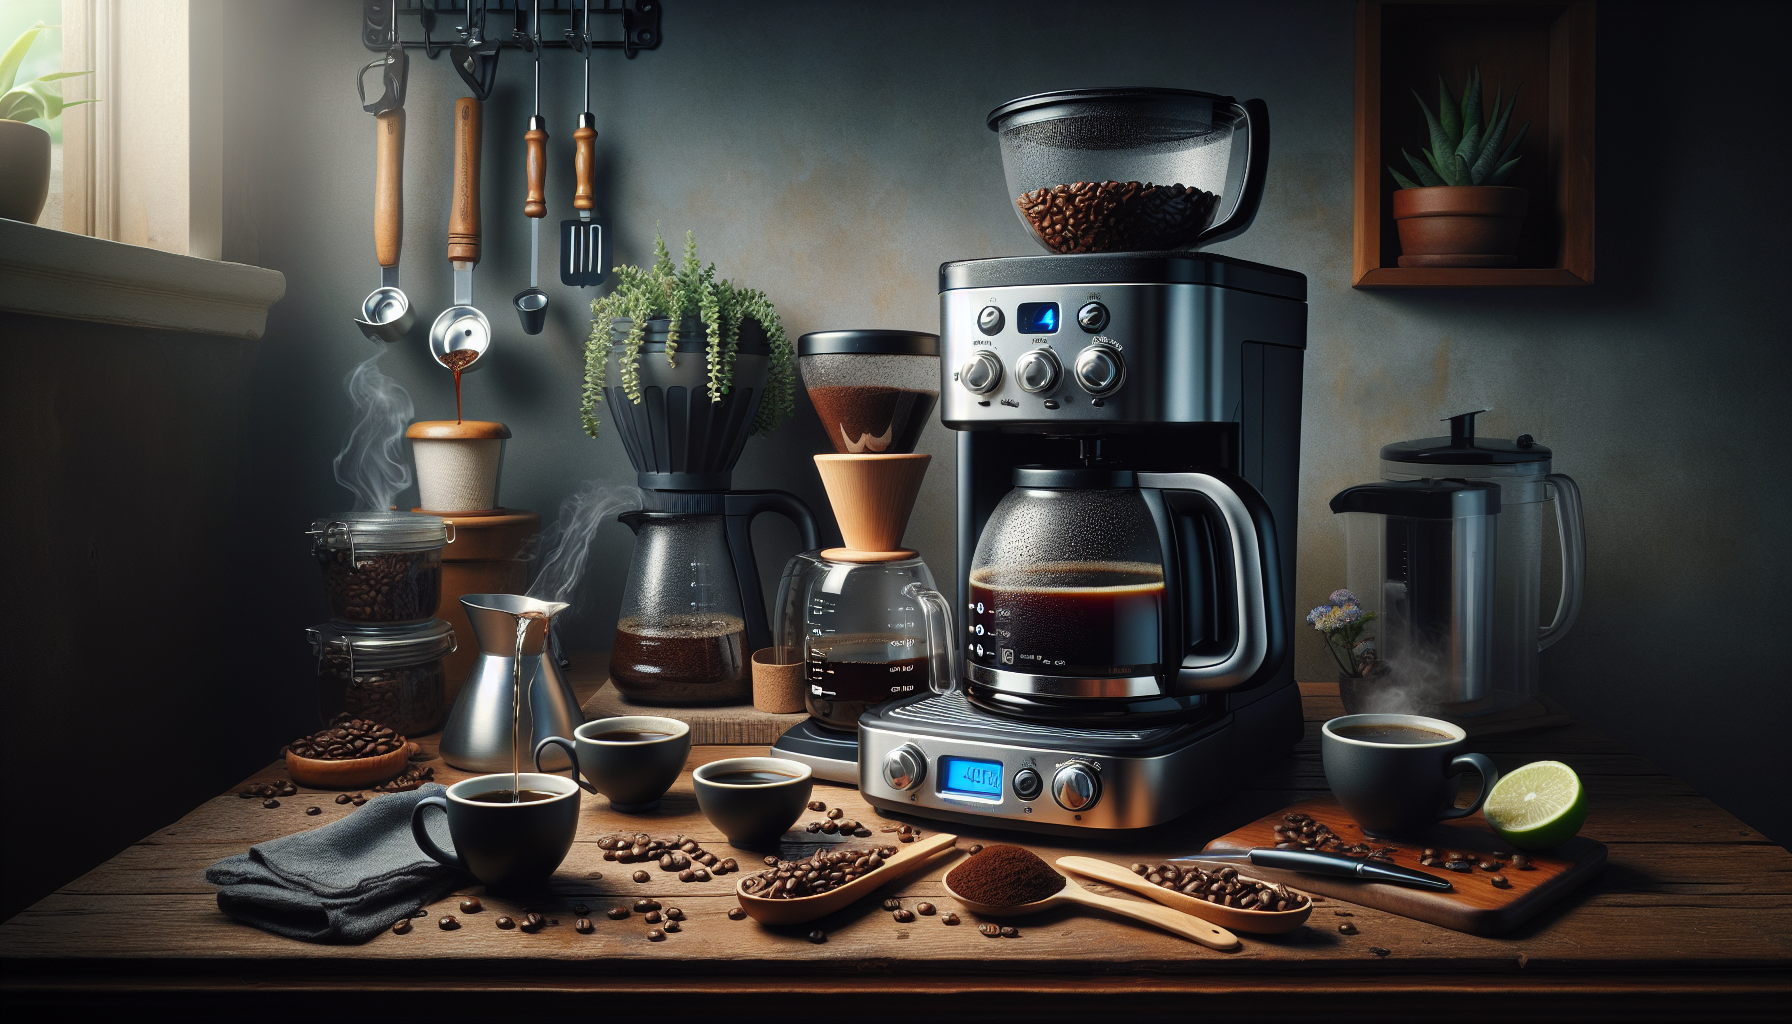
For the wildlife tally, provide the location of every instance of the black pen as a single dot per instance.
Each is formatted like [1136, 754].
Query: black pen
[1315, 863]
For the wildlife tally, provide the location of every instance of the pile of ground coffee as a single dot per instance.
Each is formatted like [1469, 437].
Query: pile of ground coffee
[1004, 876]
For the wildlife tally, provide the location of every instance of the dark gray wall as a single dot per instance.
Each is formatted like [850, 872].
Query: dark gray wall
[834, 154]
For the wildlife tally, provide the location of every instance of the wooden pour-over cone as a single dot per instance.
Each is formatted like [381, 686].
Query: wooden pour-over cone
[872, 497]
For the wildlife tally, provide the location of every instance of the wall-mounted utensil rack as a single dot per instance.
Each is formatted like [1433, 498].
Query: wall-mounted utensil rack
[434, 25]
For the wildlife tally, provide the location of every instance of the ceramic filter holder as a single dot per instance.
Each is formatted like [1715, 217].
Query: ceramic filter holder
[872, 496]
[457, 464]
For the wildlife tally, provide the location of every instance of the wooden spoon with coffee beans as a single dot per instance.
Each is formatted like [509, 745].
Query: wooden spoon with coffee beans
[900, 865]
[1252, 922]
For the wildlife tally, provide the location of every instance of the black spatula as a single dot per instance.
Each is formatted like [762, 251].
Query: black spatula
[584, 242]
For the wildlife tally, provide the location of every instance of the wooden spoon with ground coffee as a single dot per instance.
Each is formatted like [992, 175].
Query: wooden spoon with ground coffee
[1010, 881]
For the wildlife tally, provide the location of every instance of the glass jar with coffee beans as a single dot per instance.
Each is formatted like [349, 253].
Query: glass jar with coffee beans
[381, 568]
[392, 675]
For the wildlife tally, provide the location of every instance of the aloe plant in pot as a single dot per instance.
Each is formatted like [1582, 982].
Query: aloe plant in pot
[1460, 212]
[690, 365]
[24, 147]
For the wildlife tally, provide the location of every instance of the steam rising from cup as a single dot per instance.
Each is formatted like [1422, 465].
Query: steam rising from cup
[371, 463]
[566, 545]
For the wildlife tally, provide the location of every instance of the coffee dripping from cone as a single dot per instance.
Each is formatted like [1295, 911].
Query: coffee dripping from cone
[862, 624]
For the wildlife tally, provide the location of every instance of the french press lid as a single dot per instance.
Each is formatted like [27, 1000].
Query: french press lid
[375, 647]
[1421, 499]
[1463, 448]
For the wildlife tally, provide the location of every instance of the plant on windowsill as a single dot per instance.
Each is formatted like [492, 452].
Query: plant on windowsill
[25, 148]
[1460, 212]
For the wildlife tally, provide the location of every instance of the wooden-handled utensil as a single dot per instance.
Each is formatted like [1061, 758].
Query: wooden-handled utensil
[585, 242]
[532, 303]
[902, 864]
[1253, 922]
[461, 328]
[386, 313]
[1174, 922]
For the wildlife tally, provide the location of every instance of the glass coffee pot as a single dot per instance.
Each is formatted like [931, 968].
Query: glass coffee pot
[865, 632]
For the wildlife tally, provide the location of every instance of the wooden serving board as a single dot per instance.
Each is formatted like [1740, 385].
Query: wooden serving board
[734, 724]
[1476, 907]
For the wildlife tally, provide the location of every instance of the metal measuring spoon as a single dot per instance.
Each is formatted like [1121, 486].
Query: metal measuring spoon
[532, 303]
[461, 328]
[386, 313]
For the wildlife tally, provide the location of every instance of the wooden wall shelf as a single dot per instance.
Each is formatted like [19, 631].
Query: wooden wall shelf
[1545, 46]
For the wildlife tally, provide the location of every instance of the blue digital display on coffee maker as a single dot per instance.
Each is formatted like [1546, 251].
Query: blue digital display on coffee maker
[1036, 318]
[965, 776]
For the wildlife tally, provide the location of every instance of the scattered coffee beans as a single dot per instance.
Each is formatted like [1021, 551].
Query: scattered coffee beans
[448, 923]
[345, 739]
[471, 905]
[314, 810]
[1522, 863]
[270, 803]
[583, 926]
[616, 913]
[671, 926]
[1302, 832]
[643, 906]
[835, 813]
[1010, 932]
[343, 798]
[948, 918]
[904, 916]
[822, 871]
[976, 848]
[1116, 216]
[652, 917]
[817, 805]
[1342, 913]
[1222, 887]
[736, 913]
[1378, 951]
[925, 909]
[892, 904]
[642, 876]
[1347, 929]
[407, 780]
[990, 929]
[656, 935]
[533, 922]
[505, 923]
[818, 936]
[402, 926]
[1500, 882]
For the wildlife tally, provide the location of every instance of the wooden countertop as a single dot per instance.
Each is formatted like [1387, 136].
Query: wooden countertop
[1691, 917]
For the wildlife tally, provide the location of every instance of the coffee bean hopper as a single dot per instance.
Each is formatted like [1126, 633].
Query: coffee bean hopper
[1128, 465]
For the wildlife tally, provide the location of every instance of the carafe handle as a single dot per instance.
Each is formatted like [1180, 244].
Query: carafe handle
[1256, 167]
[1572, 531]
[741, 508]
[942, 641]
[1245, 549]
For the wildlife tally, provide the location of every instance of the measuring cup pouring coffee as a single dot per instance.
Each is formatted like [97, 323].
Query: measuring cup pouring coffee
[506, 838]
[1399, 774]
[632, 759]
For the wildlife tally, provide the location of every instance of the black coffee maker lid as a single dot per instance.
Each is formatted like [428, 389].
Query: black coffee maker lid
[1463, 448]
[868, 343]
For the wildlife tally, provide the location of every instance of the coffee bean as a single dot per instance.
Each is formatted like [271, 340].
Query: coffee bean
[583, 926]
[1460, 866]
[1140, 869]
[892, 904]
[1378, 951]
[656, 935]
[505, 923]
[990, 929]
[904, 916]
[342, 798]
[533, 922]
[817, 805]
[862, 833]
[701, 874]
[471, 905]
[948, 918]
[1347, 929]
[976, 848]
[736, 913]
[314, 810]
[1522, 863]
[616, 913]
[906, 829]
[828, 828]
[1429, 852]
[642, 876]
[1489, 865]
[402, 926]
[687, 875]
[270, 803]
[642, 906]
[908, 838]
[730, 864]
[448, 923]
[652, 917]
[1010, 932]
[818, 936]
[771, 862]
[1342, 913]
[1500, 882]
[925, 909]
[671, 926]
[835, 813]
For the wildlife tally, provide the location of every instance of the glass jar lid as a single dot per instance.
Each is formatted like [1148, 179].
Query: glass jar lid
[375, 647]
[380, 531]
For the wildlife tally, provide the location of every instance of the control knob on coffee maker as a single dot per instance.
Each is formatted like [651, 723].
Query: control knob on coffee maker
[1099, 370]
[1037, 370]
[1076, 786]
[981, 373]
[905, 766]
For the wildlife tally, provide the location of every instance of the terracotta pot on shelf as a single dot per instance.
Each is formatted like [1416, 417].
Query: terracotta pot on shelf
[24, 170]
[1460, 225]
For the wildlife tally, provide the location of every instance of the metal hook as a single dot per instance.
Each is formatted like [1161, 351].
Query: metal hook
[397, 72]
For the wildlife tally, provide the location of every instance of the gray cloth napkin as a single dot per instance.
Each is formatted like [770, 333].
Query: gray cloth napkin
[343, 882]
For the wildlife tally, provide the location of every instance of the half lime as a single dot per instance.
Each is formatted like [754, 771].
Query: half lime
[1539, 806]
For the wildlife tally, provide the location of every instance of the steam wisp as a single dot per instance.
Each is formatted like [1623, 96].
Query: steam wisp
[371, 463]
[566, 545]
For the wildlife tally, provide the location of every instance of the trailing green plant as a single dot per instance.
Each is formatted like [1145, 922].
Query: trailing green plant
[1465, 146]
[36, 99]
[673, 293]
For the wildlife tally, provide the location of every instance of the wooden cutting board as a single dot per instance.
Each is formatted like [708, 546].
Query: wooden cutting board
[1476, 907]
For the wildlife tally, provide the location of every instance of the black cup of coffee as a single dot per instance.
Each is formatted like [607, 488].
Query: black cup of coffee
[632, 759]
[1398, 774]
[753, 799]
[504, 841]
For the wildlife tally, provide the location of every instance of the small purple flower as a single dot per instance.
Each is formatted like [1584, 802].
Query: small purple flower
[1343, 597]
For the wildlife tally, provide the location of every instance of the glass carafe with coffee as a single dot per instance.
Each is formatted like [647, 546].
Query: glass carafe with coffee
[865, 620]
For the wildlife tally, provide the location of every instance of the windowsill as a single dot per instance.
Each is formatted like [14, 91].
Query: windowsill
[57, 273]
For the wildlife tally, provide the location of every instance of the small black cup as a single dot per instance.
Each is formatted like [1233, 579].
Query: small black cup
[1400, 788]
[504, 845]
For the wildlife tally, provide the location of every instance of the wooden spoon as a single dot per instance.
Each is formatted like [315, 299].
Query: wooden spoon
[1255, 922]
[900, 865]
[1174, 922]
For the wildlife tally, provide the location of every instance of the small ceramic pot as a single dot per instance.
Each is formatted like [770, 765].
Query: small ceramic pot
[753, 815]
[1460, 225]
[458, 463]
[24, 170]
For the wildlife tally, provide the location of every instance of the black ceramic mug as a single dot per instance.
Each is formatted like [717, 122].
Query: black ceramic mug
[1398, 774]
[505, 845]
[632, 760]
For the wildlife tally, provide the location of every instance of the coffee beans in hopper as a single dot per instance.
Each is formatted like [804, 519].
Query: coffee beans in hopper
[1116, 216]
[346, 739]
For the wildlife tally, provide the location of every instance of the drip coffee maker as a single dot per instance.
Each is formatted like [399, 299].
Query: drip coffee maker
[1447, 550]
[865, 620]
[692, 611]
[1128, 470]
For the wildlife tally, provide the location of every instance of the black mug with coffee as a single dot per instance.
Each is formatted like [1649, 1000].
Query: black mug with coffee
[505, 838]
[1399, 774]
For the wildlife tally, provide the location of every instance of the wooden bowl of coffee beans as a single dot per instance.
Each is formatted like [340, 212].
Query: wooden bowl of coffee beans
[347, 754]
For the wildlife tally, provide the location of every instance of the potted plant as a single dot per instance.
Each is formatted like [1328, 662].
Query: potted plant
[691, 364]
[25, 148]
[1343, 622]
[1460, 212]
